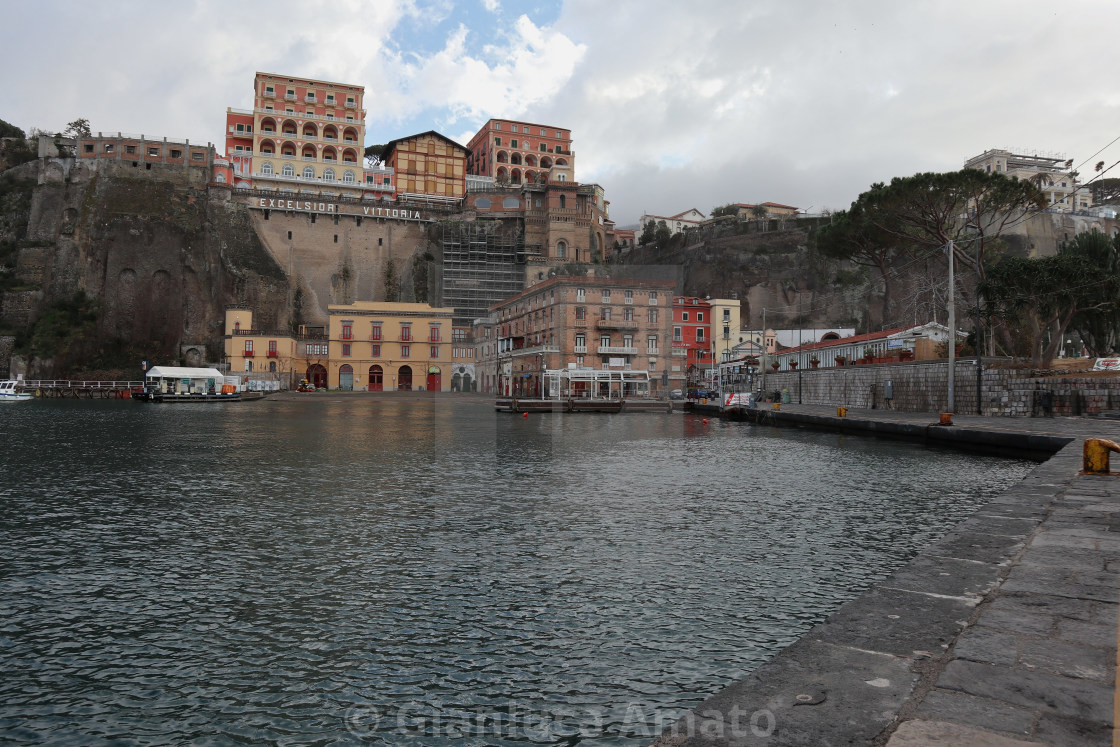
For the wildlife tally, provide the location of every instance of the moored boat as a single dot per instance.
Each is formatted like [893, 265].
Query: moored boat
[10, 392]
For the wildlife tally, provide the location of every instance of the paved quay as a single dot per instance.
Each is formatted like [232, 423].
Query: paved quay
[1002, 633]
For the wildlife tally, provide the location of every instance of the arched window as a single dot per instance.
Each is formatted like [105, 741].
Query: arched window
[220, 178]
[308, 172]
[563, 201]
[482, 203]
[328, 175]
[266, 168]
[511, 203]
[288, 170]
[348, 176]
[561, 249]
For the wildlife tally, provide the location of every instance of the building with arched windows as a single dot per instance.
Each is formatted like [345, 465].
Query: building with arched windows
[302, 136]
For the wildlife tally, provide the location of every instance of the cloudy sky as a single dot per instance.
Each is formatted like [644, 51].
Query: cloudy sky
[671, 105]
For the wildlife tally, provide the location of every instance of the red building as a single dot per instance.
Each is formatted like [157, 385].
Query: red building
[692, 339]
[520, 152]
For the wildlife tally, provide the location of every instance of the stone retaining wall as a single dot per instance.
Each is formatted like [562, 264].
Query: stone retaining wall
[922, 386]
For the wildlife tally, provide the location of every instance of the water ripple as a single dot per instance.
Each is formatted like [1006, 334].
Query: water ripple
[413, 572]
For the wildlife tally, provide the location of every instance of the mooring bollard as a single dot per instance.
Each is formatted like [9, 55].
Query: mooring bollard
[777, 405]
[946, 418]
[841, 412]
[1095, 455]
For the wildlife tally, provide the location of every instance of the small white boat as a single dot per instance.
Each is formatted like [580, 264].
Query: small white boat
[9, 393]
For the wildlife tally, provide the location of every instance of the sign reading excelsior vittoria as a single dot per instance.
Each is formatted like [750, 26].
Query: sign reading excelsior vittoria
[334, 208]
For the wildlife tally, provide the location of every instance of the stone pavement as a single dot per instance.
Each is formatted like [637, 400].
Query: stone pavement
[1002, 633]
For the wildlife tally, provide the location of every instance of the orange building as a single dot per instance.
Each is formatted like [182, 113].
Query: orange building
[302, 136]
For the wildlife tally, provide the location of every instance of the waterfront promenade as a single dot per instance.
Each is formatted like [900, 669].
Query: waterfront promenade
[1002, 633]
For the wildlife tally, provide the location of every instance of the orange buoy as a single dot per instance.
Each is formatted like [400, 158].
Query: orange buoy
[524, 414]
[703, 420]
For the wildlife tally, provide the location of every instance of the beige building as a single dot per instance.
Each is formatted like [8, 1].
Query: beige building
[383, 346]
[725, 327]
[428, 165]
[1052, 174]
[583, 322]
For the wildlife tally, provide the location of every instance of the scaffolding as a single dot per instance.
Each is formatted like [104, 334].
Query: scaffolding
[482, 265]
[596, 384]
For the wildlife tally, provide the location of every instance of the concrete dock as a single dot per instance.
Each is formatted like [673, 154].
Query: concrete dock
[1002, 633]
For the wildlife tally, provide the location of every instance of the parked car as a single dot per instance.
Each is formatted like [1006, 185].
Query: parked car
[676, 394]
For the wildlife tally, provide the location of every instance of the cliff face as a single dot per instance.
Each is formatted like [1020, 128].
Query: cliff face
[160, 254]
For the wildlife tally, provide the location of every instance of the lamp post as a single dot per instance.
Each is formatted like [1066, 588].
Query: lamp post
[952, 327]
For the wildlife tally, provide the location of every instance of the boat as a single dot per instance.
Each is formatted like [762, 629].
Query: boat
[9, 392]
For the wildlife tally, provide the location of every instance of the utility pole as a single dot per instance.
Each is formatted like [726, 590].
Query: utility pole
[952, 325]
[762, 356]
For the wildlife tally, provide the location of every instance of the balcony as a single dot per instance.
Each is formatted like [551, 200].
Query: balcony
[289, 97]
[351, 104]
[580, 349]
[680, 352]
[273, 354]
[616, 350]
[616, 324]
[248, 353]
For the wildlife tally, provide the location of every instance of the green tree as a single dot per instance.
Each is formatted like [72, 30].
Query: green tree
[971, 208]
[7, 129]
[1105, 191]
[852, 237]
[729, 209]
[1040, 298]
[373, 155]
[79, 128]
[662, 234]
[649, 232]
[1098, 324]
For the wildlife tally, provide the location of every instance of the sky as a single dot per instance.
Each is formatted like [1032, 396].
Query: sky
[671, 105]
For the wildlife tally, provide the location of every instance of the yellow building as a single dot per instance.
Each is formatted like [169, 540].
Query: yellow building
[251, 350]
[725, 326]
[382, 346]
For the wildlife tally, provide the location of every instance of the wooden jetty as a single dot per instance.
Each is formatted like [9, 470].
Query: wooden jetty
[60, 388]
[516, 404]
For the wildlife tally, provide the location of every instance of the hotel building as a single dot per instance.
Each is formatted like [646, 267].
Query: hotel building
[302, 136]
[600, 323]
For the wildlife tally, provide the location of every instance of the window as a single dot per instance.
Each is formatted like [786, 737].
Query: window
[433, 351]
[676, 334]
[579, 360]
[375, 331]
[699, 334]
[347, 330]
[606, 313]
[684, 316]
[308, 172]
[129, 149]
[248, 347]
[513, 128]
[605, 341]
[288, 170]
[699, 316]
[348, 177]
[153, 151]
[345, 350]
[88, 147]
[606, 295]
[581, 312]
[433, 333]
[375, 350]
[580, 294]
[628, 314]
[628, 341]
[653, 298]
[651, 344]
[561, 249]
[497, 141]
[653, 316]
[581, 343]
[544, 148]
[513, 143]
[406, 332]
[629, 297]
[406, 351]
[109, 148]
[266, 169]
[196, 156]
[176, 153]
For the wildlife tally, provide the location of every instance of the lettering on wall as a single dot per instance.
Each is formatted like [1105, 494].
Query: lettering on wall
[331, 208]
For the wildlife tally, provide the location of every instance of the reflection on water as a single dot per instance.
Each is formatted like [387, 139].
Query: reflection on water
[426, 571]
